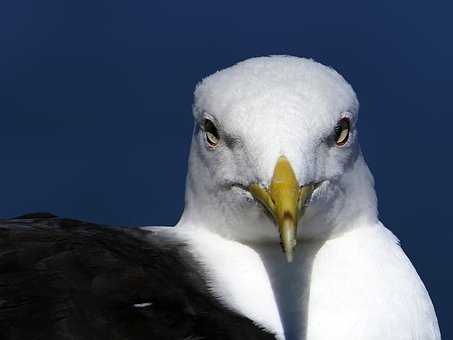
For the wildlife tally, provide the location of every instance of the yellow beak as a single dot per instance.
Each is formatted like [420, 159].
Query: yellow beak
[284, 200]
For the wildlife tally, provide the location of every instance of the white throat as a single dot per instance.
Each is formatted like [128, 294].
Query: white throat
[359, 285]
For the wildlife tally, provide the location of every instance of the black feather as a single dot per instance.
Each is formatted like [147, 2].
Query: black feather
[67, 279]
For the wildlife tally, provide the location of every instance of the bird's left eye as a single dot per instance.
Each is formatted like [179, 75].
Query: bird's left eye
[342, 130]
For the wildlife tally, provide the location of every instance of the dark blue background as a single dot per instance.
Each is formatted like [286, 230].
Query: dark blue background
[95, 105]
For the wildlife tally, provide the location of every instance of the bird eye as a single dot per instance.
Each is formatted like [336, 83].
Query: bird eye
[212, 135]
[342, 130]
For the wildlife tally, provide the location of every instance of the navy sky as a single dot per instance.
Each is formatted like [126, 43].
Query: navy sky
[95, 105]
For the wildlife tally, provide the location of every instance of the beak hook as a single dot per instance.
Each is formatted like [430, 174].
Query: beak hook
[285, 200]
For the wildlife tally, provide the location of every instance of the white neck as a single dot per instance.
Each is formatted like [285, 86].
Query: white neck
[339, 285]
[356, 286]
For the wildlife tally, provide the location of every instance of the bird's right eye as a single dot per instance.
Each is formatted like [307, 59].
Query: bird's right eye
[211, 133]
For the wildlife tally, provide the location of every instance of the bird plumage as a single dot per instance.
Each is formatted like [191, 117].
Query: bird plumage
[68, 279]
[349, 278]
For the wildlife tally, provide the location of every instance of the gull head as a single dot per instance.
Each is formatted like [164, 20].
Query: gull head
[275, 154]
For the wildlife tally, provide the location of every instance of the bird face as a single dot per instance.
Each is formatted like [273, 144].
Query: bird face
[274, 151]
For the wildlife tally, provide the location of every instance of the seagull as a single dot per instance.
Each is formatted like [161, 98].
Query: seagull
[279, 237]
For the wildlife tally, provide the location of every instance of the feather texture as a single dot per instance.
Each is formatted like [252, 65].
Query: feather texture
[67, 279]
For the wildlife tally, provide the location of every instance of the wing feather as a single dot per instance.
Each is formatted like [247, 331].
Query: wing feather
[68, 279]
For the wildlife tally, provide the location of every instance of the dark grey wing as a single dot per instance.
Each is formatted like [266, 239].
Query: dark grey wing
[67, 279]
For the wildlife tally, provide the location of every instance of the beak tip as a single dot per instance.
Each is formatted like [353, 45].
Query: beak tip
[289, 257]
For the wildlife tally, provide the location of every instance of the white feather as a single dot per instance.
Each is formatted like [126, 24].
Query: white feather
[349, 279]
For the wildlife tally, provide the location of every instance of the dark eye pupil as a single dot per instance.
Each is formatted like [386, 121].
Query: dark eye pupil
[212, 135]
[338, 130]
[342, 131]
[210, 127]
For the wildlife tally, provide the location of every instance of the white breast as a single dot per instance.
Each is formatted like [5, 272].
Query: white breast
[364, 287]
[237, 276]
[357, 286]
